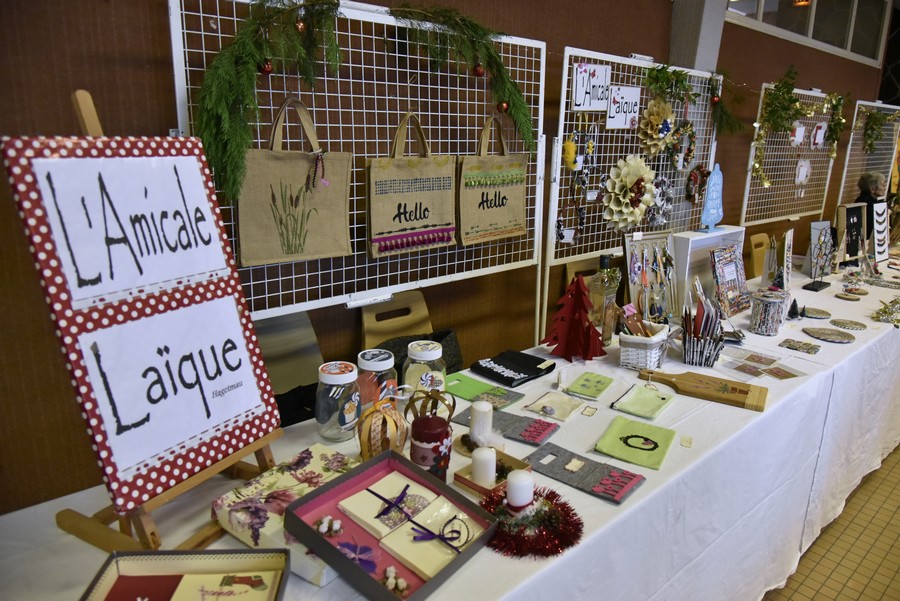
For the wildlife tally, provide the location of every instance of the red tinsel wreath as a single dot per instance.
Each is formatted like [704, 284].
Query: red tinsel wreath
[549, 531]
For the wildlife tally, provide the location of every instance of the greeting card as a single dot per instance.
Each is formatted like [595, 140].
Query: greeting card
[433, 538]
[387, 504]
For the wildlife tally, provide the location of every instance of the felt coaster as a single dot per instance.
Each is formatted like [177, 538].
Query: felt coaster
[515, 427]
[598, 479]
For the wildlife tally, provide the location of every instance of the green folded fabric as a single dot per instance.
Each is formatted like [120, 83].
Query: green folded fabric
[643, 402]
[636, 442]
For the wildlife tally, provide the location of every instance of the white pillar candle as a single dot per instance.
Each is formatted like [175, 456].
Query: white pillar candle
[484, 466]
[519, 488]
[481, 422]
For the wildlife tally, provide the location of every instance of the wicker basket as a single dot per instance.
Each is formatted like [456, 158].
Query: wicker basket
[640, 352]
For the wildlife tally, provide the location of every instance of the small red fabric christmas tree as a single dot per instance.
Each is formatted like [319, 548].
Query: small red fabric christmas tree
[571, 330]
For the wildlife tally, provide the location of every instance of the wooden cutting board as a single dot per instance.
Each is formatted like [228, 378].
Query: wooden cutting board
[712, 388]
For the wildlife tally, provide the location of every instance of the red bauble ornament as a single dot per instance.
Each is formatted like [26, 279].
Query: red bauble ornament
[715, 100]
[502, 106]
[478, 70]
[266, 67]
[300, 25]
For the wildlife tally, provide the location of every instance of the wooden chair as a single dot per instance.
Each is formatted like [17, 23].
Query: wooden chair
[583, 267]
[405, 314]
[758, 245]
[290, 350]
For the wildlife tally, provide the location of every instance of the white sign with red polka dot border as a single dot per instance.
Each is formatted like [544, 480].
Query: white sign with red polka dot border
[133, 256]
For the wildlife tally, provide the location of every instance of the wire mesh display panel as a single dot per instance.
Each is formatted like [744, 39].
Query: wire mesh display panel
[357, 110]
[798, 170]
[881, 156]
[596, 235]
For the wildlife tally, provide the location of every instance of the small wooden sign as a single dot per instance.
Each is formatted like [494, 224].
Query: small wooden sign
[133, 256]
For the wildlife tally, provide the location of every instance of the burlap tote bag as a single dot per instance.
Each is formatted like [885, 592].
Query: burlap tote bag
[491, 191]
[294, 205]
[412, 199]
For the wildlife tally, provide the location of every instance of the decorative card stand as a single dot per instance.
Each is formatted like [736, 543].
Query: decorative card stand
[851, 229]
[133, 257]
[692, 256]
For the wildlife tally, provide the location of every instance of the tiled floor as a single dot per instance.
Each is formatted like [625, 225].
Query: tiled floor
[857, 556]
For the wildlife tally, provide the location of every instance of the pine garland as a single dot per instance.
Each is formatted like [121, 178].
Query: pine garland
[723, 118]
[873, 126]
[671, 84]
[781, 108]
[459, 37]
[227, 102]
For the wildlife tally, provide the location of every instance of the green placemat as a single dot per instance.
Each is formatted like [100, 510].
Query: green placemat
[636, 442]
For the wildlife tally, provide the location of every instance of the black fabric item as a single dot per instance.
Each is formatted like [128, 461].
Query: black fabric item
[451, 353]
[513, 368]
[298, 404]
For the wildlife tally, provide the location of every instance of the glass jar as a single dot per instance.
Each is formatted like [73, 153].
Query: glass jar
[337, 401]
[602, 288]
[377, 376]
[424, 368]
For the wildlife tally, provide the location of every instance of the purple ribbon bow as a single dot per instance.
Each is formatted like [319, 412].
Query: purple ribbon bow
[392, 503]
[446, 536]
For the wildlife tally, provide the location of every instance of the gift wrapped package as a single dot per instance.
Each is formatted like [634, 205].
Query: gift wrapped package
[254, 512]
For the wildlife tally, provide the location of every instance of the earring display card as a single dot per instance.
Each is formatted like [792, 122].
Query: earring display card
[593, 477]
[881, 231]
[851, 228]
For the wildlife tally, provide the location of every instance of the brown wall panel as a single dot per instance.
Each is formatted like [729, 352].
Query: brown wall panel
[751, 58]
[120, 51]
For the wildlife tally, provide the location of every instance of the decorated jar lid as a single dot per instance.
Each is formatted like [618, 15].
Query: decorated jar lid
[337, 372]
[375, 360]
[424, 350]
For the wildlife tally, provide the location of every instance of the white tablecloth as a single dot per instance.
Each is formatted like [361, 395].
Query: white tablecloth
[724, 518]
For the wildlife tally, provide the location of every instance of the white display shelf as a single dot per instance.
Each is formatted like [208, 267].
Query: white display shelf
[692, 255]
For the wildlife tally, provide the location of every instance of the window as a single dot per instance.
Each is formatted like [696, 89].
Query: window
[852, 28]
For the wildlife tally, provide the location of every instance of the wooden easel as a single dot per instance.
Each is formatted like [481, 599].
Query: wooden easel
[137, 529]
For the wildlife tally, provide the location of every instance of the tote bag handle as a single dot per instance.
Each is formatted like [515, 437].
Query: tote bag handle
[306, 123]
[399, 147]
[485, 138]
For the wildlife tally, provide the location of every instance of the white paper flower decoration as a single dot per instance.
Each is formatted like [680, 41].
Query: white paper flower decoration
[629, 191]
[655, 129]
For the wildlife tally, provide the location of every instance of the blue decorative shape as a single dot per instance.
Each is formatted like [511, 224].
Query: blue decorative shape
[712, 206]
